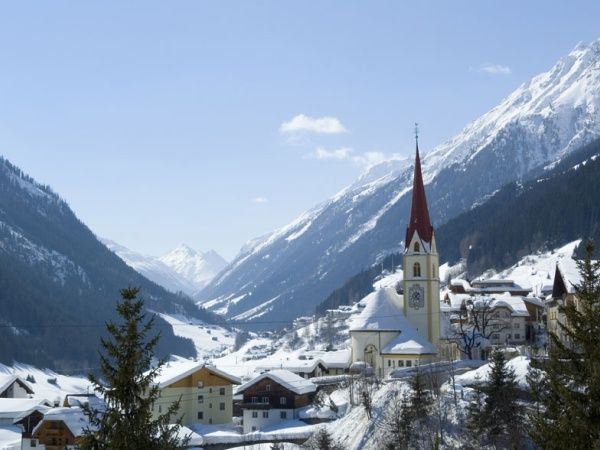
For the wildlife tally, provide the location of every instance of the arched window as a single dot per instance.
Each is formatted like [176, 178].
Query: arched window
[417, 247]
[417, 270]
[433, 271]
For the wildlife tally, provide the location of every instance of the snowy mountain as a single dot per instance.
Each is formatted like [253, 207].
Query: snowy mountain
[153, 269]
[286, 273]
[59, 283]
[181, 270]
[195, 267]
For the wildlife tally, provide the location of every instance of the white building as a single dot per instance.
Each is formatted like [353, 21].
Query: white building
[13, 386]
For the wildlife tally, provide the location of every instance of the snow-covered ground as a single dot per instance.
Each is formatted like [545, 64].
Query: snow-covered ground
[536, 272]
[520, 365]
[210, 340]
[10, 437]
[47, 384]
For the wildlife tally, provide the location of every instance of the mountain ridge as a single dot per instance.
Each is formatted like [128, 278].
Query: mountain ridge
[287, 272]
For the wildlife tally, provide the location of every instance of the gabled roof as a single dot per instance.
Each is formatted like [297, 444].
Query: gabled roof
[14, 408]
[569, 274]
[73, 418]
[173, 372]
[419, 213]
[285, 378]
[409, 342]
[383, 312]
[6, 380]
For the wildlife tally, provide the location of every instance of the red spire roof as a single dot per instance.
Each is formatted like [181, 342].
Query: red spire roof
[419, 214]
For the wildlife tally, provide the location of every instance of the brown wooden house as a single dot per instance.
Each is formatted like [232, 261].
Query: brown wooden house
[273, 397]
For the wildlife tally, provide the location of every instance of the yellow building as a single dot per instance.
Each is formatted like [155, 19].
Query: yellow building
[206, 392]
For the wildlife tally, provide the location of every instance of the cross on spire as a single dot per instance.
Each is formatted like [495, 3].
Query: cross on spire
[417, 134]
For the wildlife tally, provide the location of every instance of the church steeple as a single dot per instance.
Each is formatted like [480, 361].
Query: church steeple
[419, 213]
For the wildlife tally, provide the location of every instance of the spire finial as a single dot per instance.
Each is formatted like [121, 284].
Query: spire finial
[417, 134]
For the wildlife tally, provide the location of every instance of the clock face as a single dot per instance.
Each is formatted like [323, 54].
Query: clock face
[416, 297]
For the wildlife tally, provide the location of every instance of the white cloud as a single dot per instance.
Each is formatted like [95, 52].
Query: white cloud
[319, 125]
[369, 159]
[260, 200]
[494, 69]
[363, 160]
[338, 154]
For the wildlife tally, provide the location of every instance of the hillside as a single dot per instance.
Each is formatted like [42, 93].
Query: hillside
[288, 272]
[555, 207]
[550, 210]
[59, 284]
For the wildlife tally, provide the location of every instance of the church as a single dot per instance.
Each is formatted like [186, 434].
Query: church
[403, 329]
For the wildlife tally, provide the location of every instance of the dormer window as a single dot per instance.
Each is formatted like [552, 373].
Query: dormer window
[416, 247]
[417, 270]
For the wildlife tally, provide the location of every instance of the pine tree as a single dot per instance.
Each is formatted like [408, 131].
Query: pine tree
[322, 440]
[571, 406]
[420, 399]
[126, 422]
[502, 414]
[398, 425]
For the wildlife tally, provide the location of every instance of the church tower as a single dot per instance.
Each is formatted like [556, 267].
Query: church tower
[421, 264]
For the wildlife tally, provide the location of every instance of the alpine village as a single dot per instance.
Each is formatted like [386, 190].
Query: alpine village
[446, 299]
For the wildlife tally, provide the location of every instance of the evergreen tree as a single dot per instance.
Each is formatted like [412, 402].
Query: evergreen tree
[474, 426]
[420, 399]
[398, 425]
[502, 414]
[571, 406]
[322, 440]
[126, 422]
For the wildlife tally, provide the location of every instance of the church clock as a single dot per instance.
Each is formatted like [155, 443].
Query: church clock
[416, 297]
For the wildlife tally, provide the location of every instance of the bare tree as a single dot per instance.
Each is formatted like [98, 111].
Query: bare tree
[478, 320]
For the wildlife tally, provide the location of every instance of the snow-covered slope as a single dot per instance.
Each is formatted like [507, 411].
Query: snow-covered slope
[536, 272]
[182, 269]
[301, 263]
[196, 267]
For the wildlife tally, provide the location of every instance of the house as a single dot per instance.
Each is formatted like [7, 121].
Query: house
[336, 362]
[61, 428]
[400, 330]
[566, 278]
[274, 397]
[24, 414]
[13, 386]
[206, 392]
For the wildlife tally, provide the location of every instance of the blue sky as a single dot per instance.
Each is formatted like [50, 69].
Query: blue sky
[165, 122]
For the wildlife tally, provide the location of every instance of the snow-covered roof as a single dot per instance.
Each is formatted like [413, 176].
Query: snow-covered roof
[410, 342]
[13, 408]
[73, 418]
[7, 379]
[285, 378]
[337, 359]
[570, 273]
[383, 312]
[172, 372]
[460, 282]
[84, 399]
[515, 304]
[193, 438]
[293, 365]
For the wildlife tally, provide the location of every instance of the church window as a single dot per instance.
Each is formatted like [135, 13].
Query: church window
[417, 247]
[417, 270]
